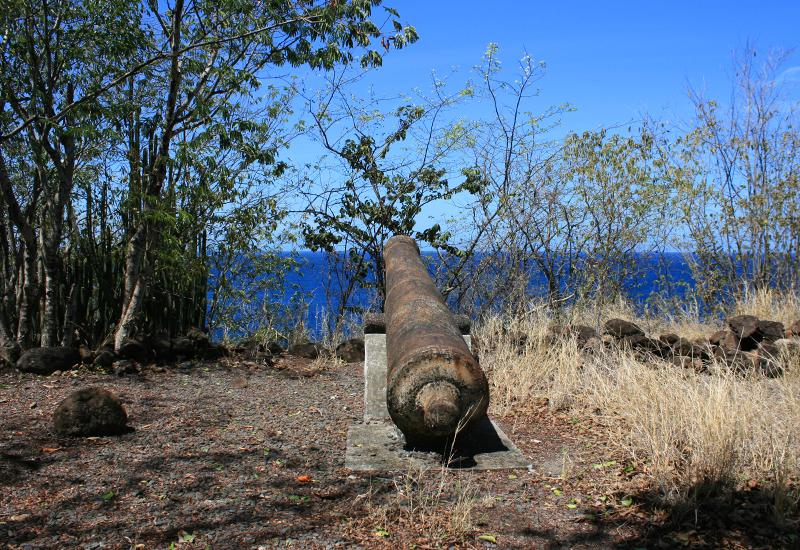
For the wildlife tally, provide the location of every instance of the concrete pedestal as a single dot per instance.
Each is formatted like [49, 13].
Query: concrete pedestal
[377, 445]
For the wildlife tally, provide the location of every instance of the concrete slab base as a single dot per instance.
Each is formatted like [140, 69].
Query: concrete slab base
[377, 444]
[380, 447]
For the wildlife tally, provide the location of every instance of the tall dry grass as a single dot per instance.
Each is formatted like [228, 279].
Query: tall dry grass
[700, 434]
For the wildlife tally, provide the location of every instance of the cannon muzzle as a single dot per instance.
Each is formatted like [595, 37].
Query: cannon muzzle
[435, 386]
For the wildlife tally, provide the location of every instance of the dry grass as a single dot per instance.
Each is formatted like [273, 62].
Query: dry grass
[699, 434]
[433, 504]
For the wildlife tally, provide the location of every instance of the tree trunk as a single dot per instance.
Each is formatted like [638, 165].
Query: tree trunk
[135, 280]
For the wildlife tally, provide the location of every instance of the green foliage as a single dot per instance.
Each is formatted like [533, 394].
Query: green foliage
[387, 176]
[142, 141]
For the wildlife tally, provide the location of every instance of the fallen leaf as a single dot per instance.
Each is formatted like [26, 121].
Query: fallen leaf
[50, 449]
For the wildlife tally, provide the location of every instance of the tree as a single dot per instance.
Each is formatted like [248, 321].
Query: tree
[216, 51]
[388, 166]
[53, 56]
[132, 136]
[737, 170]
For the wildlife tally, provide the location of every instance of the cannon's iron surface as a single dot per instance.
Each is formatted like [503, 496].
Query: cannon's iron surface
[435, 386]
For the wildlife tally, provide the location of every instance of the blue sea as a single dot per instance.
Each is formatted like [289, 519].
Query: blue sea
[669, 275]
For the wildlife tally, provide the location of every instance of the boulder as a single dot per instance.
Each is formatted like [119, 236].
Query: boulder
[770, 331]
[729, 341]
[162, 347]
[124, 367]
[134, 349]
[670, 338]
[642, 344]
[766, 360]
[594, 345]
[682, 347]
[104, 358]
[215, 351]
[743, 326]
[688, 363]
[90, 412]
[717, 338]
[199, 337]
[351, 351]
[9, 354]
[183, 347]
[87, 355]
[307, 350]
[48, 360]
[787, 345]
[619, 328]
[793, 330]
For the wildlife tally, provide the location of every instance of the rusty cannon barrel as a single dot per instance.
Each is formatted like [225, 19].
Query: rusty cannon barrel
[434, 385]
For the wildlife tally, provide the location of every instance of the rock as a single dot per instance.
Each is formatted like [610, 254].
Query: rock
[770, 330]
[351, 351]
[215, 351]
[787, 345]
[619, 328]
[134, 349]
[48, 360]
[684, 348]
[104, 358]
[608, 340]
[717, 338]
[275, 347]
[9, 354]
[729, 341]
[183, 347]
[87, 355]
[90, 412]
[199, 337]
[688, 363]
[766, 360]
[743, 326]
[643, 344]
[669, 338]
[124, 367]
[594, 345]
[307, 350]
[162, 347]
[793, 330]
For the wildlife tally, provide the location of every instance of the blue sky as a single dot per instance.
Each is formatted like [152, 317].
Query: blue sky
[611, 60]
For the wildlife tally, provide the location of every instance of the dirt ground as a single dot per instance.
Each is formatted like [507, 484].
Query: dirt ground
[238, 454]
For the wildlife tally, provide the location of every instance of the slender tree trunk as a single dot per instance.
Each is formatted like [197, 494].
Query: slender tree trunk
[7, 278]
[135, 281]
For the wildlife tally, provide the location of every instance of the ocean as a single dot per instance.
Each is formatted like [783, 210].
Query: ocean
[668, 275]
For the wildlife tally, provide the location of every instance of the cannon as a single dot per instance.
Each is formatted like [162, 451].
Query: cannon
[435, 387]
